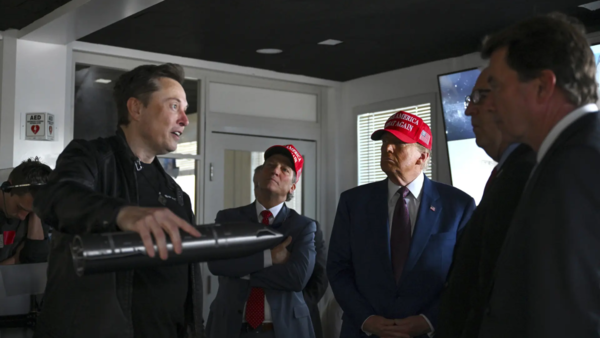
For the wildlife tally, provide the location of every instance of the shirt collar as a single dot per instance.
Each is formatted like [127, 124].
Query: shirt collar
[274, 210]
[562, 125]
[506, 154]
[414, 187]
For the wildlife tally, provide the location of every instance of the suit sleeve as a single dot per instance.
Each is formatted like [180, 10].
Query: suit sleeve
[318, 282]
[564, 253]
[340, 269]
[294, 274]
[432, 312]
[507, 191]
[466, 217]
[236, 267]
[456, 304]
[69, 202]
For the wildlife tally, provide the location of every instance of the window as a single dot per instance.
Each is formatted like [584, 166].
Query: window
[369, 151]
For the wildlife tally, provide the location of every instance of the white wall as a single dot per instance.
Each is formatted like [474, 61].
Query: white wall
[7, 103]
[41, 86]
[1, 53]
[394, 85]
[35, 78]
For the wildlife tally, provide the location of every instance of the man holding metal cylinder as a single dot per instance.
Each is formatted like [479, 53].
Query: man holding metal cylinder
[117, 184]
[261, 295]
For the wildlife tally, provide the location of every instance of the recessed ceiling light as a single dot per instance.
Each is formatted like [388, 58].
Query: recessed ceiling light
[269, 51]
[330, 42]
[592, 6]
[104, 81]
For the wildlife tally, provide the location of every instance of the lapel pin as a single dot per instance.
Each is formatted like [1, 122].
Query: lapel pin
[432, 208]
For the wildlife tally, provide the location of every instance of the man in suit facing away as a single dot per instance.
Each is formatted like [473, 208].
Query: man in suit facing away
[261, 295]
[547, 278]
[392, 241]
[478, 247]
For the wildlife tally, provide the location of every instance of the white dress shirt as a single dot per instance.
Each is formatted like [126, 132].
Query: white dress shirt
[413, 201]
[267, 256]
[562, 125]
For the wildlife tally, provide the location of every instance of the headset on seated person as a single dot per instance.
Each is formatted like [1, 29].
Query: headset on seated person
[7, 186]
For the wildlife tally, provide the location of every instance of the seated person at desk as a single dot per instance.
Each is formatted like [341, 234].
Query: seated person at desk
[23, 239]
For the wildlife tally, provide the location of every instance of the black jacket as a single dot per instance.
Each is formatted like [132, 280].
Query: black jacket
[477, 250]
[546, 283]
[92, 181]
[317, 284]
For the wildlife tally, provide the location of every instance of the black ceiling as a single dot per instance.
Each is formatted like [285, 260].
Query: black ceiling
[377, 35]
[17, 14]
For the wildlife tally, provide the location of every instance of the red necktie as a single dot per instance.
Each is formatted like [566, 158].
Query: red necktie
[255, 306]
[400, 237]
[489, 181]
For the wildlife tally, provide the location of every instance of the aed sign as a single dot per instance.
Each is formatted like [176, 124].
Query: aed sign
[39, 126]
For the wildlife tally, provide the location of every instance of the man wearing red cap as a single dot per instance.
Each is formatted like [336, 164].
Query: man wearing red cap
[261, 295]
[392, 241]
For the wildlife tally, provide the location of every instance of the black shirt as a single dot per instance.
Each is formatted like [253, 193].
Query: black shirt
[159, 294]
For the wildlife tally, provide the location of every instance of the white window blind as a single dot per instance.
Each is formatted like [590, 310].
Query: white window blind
[369, 151]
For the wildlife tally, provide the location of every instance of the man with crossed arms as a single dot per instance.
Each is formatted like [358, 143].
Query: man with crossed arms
[261, 295]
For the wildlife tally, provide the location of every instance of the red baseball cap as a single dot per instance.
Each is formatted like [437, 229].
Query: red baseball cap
[292, 153]
[407, 128]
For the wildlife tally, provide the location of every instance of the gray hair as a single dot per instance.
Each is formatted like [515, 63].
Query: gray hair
[422, 149]
[290, 195]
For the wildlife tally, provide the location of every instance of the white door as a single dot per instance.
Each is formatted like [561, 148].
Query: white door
[229, 165]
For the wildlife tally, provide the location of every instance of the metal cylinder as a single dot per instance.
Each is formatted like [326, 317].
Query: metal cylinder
[98, 253]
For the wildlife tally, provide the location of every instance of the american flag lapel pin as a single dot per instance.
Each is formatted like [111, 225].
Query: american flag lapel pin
[432, 208]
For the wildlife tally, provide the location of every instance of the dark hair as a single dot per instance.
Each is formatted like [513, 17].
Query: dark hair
[31, 171]
[553, 42]
[141, 83]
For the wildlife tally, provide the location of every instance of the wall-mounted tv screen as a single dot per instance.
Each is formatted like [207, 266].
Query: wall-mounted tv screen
[470, 166]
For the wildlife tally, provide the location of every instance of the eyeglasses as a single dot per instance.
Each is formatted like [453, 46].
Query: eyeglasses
[477, 96]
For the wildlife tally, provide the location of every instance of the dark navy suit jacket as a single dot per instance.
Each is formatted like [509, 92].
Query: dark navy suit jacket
[547, 278]
[477, 249]
[283, 283]
[359, 265]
